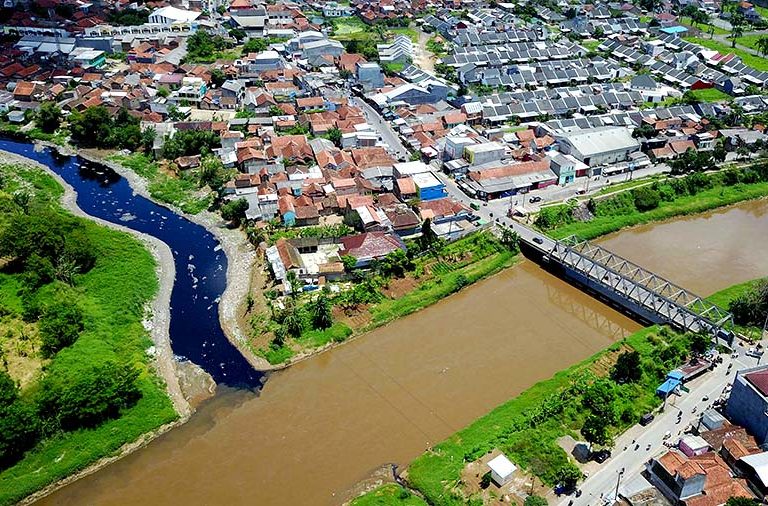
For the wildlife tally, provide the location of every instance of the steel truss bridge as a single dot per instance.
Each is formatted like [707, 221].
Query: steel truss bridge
[636, 288]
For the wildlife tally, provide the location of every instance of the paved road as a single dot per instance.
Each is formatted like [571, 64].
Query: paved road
[602, 484]
[388, 135]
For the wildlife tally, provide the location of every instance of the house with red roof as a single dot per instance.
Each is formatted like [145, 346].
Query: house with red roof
[370, 246]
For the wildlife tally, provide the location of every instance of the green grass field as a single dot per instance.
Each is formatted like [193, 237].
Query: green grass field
[113, 331]
[711, 95]
[411, 33]
[349, 29]
[749, 59]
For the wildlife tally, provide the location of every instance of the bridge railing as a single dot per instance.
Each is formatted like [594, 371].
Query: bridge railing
[671, 301]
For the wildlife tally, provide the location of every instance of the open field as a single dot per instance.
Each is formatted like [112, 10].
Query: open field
[753, 61]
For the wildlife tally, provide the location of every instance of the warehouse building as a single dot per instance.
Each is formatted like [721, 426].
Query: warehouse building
[599, 146]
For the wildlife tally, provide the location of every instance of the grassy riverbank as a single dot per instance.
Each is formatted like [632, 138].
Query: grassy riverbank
[527, 427]
[179, 191]
[676, 197]
[112, 333]
[389, 495]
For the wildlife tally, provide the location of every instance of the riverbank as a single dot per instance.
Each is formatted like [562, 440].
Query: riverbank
[63, 464]
[528, 427]
[693, 194]
[379, 298]
[241, 256]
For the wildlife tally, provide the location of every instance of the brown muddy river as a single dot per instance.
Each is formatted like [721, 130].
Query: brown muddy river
[320, 427]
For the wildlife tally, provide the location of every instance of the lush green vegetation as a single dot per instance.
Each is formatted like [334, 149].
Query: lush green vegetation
[389, 495]
[526, 428]
[749, 59]
[202, 47]
[711, 95]
[97, 128]
[691, 194]
[749, 303]
[180, 191]
[96, 390]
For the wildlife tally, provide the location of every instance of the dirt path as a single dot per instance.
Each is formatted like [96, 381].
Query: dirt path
[423, 58]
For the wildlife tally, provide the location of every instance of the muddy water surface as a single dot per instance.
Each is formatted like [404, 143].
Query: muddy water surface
[324, 424]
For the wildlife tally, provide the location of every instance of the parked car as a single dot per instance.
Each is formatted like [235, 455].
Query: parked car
[538, 240]
[534, 199]
[474, 206]
[601, 456]
[646, 419]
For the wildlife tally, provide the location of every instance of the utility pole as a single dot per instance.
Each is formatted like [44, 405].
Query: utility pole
[618, 482]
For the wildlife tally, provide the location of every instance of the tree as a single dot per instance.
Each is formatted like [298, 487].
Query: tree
[218, 77]
[349, 262]
[294, 281]
[510, 239]
[742, 501]
[645, 130]
[737, 29]
[60, 326]
[568, 475]
[598, 33]
[292, 322]
[92, 127]
[321, 313]
[48, 117]
[535, 500]
[255, 45]
[19, 425]
[234, 210]
[85, 397]
[211, 172]
[595, 430]
[189, 143]
[334, 135]
[751, 307]
[646, 198]
[700, 343]
[394, 264]
[428, 236]
[762, 45]
[627, 368]
[352, 219]
[599, 399]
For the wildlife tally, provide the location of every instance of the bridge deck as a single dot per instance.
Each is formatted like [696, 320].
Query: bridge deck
[630, 283]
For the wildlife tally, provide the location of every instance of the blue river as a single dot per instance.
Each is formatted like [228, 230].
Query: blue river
[201, 265]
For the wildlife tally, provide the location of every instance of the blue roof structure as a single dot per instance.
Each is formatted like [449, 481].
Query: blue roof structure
[668, 387]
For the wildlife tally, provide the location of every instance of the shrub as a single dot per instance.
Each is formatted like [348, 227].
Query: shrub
[87, 397]
[60, 326]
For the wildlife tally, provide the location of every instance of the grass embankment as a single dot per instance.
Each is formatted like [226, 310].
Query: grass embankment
[388, 495]
[749, 59]
[112, 296]
[532, 444]
[700, 201]
[179, 191]
[351, 28]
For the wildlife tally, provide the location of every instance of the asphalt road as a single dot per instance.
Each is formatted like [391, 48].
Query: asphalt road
[600, 486]
[382, 126]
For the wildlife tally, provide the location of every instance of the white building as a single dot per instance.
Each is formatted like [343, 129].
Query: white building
[170, 15]
[501, 469]
[600, 146]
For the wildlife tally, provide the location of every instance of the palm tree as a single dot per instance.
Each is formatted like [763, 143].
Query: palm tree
[736, 32]
[381, 31]
[762, 45]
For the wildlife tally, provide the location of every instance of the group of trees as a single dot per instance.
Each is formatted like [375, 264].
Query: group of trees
[189, 143]
[97, 128]
[751, 307]
[293, 319]
[202, 46]
[47, 246]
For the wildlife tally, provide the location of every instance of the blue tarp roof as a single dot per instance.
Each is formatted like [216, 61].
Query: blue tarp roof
[674, 29]
[668, 386]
